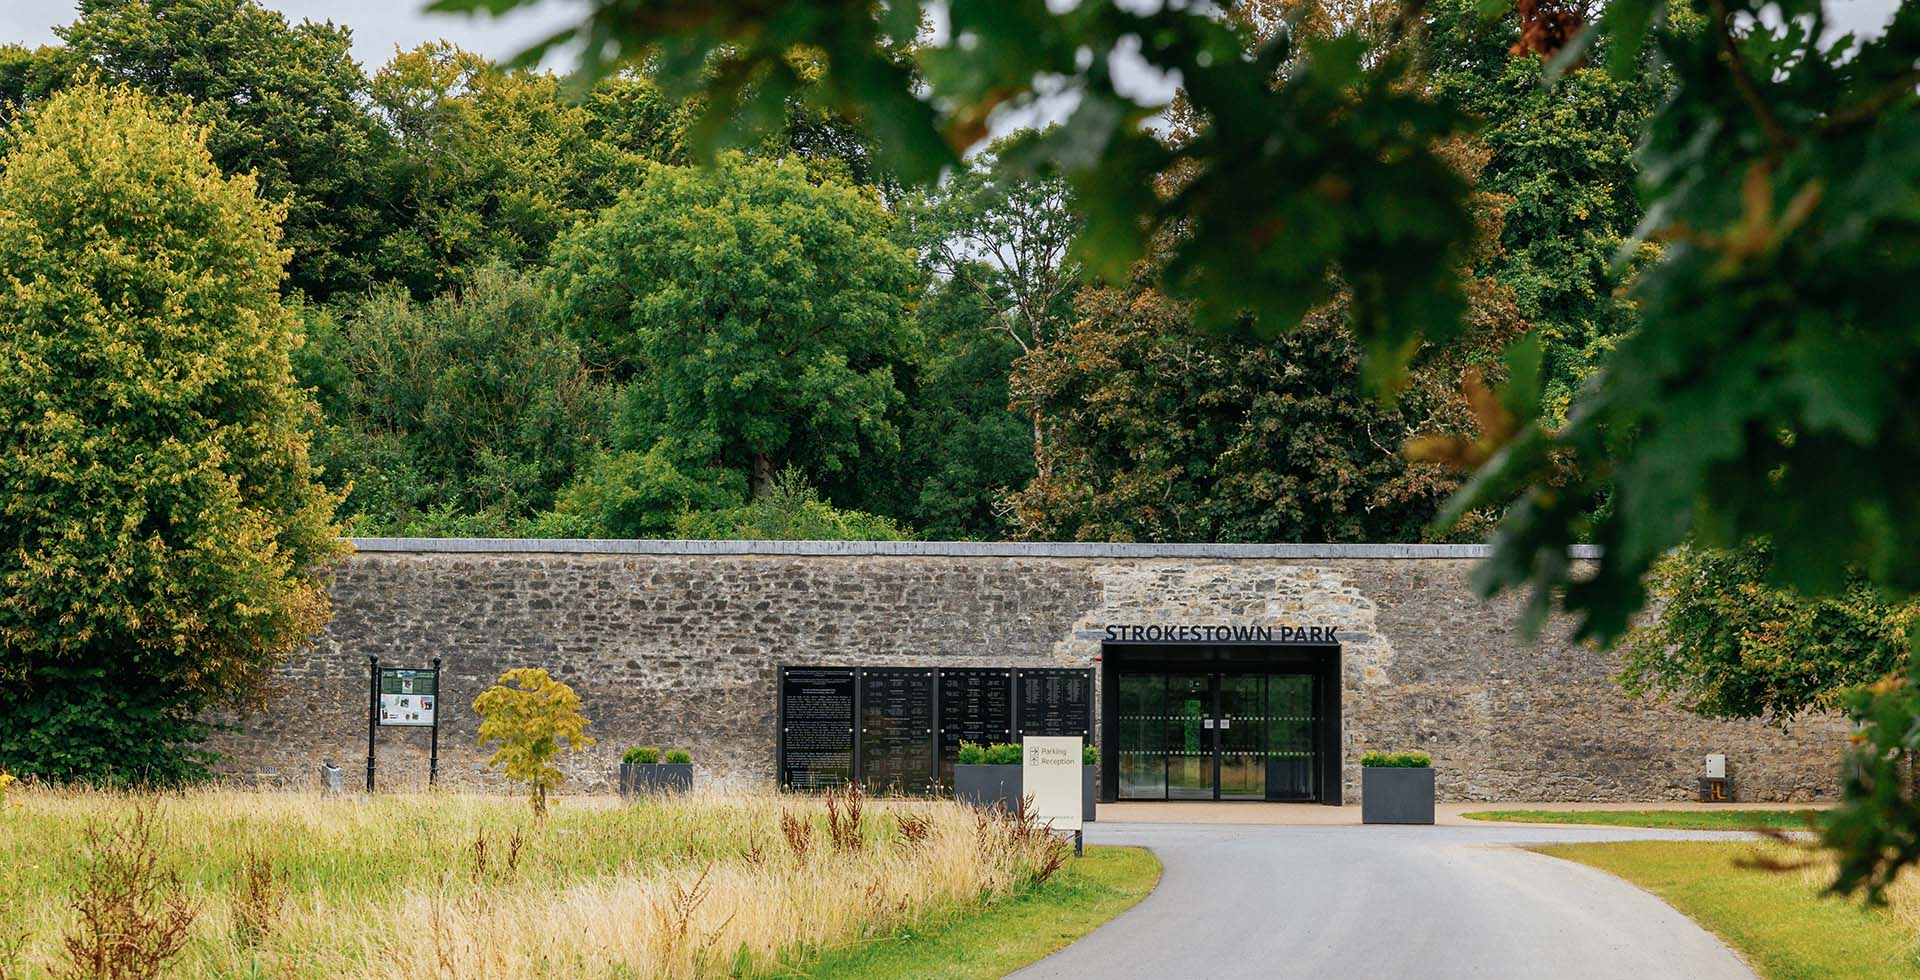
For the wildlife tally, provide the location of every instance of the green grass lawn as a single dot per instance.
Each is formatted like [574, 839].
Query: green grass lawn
[1664, 819]
[1779, 921]
[990, 942]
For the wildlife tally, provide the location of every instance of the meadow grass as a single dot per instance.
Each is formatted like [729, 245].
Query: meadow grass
[991, 942]
[1780, 921]
[1664, 819]
[471, 886]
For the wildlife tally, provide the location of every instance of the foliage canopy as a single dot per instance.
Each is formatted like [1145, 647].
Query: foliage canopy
[757, 313]
[1729, 644]
[163, 535]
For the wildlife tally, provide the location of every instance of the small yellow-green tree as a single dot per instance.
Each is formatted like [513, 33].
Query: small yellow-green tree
[533, 717]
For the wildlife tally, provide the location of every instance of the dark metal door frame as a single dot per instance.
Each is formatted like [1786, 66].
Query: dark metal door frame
[1321, 662]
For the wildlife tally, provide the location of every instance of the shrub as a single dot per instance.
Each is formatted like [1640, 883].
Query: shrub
[677, 757]
[1396, 760]
[972, 754]
[532, 721]
[791, 510]
[644, 755]
[1003, 754]
[1089, 754]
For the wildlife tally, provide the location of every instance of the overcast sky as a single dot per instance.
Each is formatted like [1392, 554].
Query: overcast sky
[381, 26]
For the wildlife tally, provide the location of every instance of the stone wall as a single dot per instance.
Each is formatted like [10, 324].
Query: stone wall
[677, 643]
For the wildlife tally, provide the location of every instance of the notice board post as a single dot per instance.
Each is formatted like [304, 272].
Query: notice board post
[403, 697]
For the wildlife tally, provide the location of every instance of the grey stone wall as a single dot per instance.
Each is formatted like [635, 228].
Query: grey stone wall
[677, 643]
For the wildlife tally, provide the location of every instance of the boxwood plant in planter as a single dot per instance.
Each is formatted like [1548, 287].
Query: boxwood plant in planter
[1396, 787]
[645, 769]
[985, 775]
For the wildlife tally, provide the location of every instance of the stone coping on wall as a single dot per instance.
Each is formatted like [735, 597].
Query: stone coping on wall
[927, 549]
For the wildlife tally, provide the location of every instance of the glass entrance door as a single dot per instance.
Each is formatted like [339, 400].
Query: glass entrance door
[1292, 734]
[1191, 735]
[1190, 748]
[1242, 736]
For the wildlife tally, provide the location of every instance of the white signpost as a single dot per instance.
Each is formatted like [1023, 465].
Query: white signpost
[1050, 776]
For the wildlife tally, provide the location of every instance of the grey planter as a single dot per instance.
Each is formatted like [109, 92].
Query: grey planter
[655, 777]
[1396, 795]
[1087, 794]
[988, 785]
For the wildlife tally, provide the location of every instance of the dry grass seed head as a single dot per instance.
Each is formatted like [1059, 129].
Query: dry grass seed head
[133, 914]
[258, 898]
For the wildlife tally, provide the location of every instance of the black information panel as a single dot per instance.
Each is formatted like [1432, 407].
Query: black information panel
[816, 727]
[896, 729]
[1055, 702]
[976, 705]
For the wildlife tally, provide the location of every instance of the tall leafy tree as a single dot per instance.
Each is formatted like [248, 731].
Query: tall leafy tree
[28, 75]
[284, 102]
[758, 316]
[1729, 643]
[1164, 432]
[162, 532]
[1562, 154]
[488, 163]
[461, 414]
[1002, 232]
[963, 450]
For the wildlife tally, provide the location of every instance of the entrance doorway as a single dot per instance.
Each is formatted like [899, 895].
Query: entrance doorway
[1210, 723]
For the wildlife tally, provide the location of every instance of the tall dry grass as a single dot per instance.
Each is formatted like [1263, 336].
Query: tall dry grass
[1816, 869]
[296, 885]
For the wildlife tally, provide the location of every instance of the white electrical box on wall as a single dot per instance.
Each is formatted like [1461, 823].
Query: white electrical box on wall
[1716, 766]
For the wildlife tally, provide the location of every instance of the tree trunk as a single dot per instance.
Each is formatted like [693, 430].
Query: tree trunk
[762, 475]
[1040, 463]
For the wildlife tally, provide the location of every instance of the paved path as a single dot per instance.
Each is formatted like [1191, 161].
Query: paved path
[1421, 903]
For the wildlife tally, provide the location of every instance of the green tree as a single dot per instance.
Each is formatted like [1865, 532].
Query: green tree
[1729, 644]
[28, 76]
[533, 718]
[284, 102]
[790, 510]
[1163, 432]
[631, 494]
[1562, 155]
[1004, 234]
[488, 163]
[758, 315]
[164, 536]
[462, 414]
[963, 449]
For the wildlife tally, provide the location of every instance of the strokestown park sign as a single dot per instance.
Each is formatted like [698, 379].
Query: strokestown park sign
[1181, 633]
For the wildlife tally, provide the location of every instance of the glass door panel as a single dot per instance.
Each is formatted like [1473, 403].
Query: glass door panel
[1143, 736]
[1291, 751]
[1242, 727]
[1189, 728]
